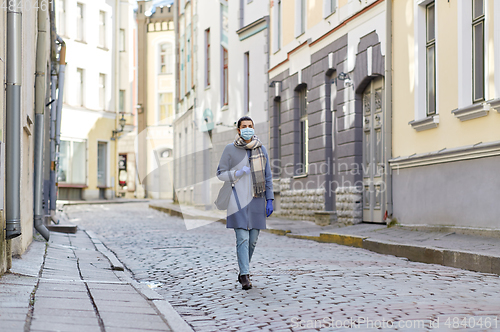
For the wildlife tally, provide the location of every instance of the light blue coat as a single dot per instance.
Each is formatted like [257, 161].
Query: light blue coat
[253, 209]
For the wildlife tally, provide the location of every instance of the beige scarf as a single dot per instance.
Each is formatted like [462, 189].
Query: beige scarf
[257, 163]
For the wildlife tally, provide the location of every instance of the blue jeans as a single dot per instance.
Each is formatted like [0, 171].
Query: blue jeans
[246, 240]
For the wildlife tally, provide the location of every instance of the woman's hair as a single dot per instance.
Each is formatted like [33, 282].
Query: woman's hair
[244, 118]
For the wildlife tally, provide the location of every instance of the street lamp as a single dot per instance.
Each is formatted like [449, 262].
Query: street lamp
[122, 123]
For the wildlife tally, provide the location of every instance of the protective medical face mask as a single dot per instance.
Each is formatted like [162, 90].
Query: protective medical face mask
[247, 133]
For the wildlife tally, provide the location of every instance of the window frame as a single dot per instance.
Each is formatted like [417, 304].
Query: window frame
[80, 22]
[70, 165]
[476, 21]
[102, 91]
[207, 57]
[303, 132]
[102, 29]
[123, 41]
[430, 43]
[225, 76]
[80, 98]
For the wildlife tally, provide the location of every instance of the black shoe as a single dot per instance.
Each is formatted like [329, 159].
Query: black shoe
[245, 281]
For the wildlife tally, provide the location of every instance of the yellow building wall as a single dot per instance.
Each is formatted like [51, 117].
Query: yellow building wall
[314, 12]
[288, 20]
[101, 132]
[451, 132]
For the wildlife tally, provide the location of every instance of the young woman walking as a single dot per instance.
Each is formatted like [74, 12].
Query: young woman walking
[245, 163]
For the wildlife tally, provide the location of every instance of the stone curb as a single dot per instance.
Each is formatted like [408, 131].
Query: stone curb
[174, 320]
[111, 201]
[452, 258]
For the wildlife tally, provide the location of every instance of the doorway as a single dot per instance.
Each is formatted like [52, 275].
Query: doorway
[373, 165]
[102, 166]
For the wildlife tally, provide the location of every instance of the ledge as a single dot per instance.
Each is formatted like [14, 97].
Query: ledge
[479, 150]
[429, 122]
[472, 112]
[300, 176]
[495, 104]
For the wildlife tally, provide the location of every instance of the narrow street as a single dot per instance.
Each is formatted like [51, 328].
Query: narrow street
[297, 284]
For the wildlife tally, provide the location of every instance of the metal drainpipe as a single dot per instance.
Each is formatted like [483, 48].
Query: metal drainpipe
[55, 127]
[60, 95]
[40, 92]
[388, 107]
[13, 124]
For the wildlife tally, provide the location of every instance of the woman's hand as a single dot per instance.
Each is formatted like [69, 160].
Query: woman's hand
[241, 172]
[269, 207]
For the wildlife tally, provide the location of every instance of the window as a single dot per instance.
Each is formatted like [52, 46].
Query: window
[182, 70]
[80, 86]
[122, 40]
[303, 132]
[61, 17]
[72, 162]
[333, 5]
[79, 22]
[188, 65]
[247, 81]
[121, 101]
[166, 108]
[166, 61]
[278, 37]
[478, 50]
[277, 107]
[431, 59]
[225, 77]
[303, 16]
[102, 29]
[207, 54]
[102, 91]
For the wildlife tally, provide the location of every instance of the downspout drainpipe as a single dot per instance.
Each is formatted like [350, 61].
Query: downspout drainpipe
[40, 88]
[13, 124]
[388, 108]
[60, 95]
[55, 124]
[53, 114]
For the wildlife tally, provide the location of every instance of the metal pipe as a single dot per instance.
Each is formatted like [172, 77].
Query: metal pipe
[388, 107]
[13, 123]
[53, 117]
[40, 93]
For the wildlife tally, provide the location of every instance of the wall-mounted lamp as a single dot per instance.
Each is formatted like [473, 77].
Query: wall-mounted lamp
[122, 123]
[343, 77]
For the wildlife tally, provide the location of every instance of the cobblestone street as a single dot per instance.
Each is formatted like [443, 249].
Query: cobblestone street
[297, 284]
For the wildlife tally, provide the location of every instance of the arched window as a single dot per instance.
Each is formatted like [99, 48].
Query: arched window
[166, 60]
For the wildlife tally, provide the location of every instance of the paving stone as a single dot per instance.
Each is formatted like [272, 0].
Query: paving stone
[197, 272]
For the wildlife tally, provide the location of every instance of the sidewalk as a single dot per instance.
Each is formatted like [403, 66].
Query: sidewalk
[74, 283]
[449, 248]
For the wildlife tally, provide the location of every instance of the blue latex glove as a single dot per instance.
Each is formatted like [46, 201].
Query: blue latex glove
[243, 171]
[269, 207]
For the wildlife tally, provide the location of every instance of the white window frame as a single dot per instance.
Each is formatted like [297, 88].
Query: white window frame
[80, 22]
[71, 149]
[168, 58]
[277, 25]
[420, 31]
[61, 17]
[80, 91]
[303, 141]
[123, 40]
[465, 49]
[329, 7]
[102, 29]
[480, 20]
[168, 120]
[300, 17]
[246, 80]
[102, 91]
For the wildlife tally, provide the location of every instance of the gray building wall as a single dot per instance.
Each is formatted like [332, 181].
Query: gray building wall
[460, 193]
[332, 183]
